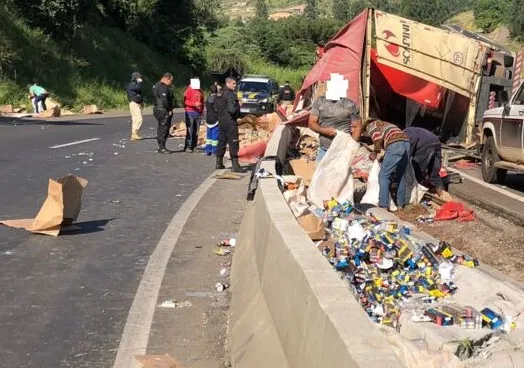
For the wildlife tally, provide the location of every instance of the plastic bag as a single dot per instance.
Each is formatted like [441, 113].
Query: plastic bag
[373, 188]
[333, 176]
[416, 190]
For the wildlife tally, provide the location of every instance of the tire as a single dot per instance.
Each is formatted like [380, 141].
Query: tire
[490, 173]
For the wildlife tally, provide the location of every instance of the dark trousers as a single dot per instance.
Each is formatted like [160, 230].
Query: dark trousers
[427, 162]
[228, 134]
[192, 127]
[42, 99]
[164, 123]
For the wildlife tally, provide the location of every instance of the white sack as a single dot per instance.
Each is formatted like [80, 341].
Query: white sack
[333, 176]
[373, 188]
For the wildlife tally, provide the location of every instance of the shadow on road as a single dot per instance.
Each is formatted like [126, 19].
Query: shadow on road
[515, 182]
[6, 120]
[86, 227]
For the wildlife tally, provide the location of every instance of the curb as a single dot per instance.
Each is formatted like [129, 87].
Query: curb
[509, 215]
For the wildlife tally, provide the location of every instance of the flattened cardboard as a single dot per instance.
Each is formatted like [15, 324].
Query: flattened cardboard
[157, 361]
[61, 207]
[304, 168]
[313, 226]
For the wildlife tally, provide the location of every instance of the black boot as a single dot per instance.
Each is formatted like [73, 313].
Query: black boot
[220, 163]
[235, 166]
[162, 149]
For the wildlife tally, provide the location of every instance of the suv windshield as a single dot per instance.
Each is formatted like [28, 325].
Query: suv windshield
[253, 87]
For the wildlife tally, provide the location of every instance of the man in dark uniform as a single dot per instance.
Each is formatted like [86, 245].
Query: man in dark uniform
[286, 94]
[163, 110]
[228, 113]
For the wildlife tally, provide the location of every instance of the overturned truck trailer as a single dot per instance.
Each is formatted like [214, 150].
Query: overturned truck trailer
[410, 73]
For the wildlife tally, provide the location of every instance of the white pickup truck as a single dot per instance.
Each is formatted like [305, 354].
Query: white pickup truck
[502, 137]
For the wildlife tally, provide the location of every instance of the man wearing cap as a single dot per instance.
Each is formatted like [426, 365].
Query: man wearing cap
[395, 142]
[136, 104]
[163, 110]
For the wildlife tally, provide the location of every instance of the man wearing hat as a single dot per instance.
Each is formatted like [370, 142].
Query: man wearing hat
[396, 160]
[136, 104]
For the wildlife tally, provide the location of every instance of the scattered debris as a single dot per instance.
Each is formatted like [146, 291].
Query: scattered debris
[61, 207]
[157, 361]
[173, 304]
[91, 109]
[221, 287]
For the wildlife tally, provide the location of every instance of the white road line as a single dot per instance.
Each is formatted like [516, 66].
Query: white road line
[136, 331]
[75, 142]
[487, 185]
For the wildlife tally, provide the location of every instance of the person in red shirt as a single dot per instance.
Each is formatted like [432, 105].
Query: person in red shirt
[194, 106]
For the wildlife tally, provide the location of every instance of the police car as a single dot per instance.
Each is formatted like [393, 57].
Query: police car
[257, 95]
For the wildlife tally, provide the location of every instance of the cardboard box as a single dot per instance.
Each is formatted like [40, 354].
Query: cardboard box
[304, 168]
[313, 226]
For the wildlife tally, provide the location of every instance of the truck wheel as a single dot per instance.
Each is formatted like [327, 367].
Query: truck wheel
[490, 173]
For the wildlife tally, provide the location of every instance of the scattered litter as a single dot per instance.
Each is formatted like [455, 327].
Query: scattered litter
[67, 156]
[224, 272]
[228, 175]
[231, 242]
[77, 169]
[61, 207]
[200, 294]
[198, 246]
[157, 361]
[173, 304]
[221, 251]
[8, 252]
[116, 153]
[263, 173]
[178, 195]
[221, 287]
[114, 201]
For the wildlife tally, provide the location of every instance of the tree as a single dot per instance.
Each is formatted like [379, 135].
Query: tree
[489, 14]
[261, 10]
[341, 9]
[424, 11]
[311, 9]
[516, 18]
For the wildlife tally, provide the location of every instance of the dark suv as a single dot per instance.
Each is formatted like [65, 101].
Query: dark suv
[257, 95]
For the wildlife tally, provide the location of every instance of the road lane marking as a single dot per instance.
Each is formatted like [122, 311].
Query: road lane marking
[487, 185]
[75, 142]
[138, 324]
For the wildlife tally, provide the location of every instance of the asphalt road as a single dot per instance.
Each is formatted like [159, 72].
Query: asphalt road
[65, 300]
[514, 182]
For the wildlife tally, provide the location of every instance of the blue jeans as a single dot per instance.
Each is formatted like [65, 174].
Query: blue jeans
[320, 154]
[396, 160]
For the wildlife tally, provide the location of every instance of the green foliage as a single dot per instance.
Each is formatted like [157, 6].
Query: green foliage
[94, 69]
[516, 19]
[489, 14]
[261, 10]
[311, 9]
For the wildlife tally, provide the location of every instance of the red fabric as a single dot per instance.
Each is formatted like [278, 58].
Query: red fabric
[342, 55]
[194, 100]
[454, 210]
[407, 85]
[252, 153]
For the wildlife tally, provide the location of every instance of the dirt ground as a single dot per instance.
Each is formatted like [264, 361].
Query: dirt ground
[493, 240]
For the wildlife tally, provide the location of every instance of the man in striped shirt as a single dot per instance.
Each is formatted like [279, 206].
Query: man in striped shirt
[395, 142]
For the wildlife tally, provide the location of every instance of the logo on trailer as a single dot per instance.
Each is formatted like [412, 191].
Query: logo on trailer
[458, 58]
[406, 43]
[391, 47]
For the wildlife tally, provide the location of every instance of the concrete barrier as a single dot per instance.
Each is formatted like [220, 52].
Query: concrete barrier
[289, 308]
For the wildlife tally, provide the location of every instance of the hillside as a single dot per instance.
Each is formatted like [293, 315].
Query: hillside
[93, 71]
[500, 34]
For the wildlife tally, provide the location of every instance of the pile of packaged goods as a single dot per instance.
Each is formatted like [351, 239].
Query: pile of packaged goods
[392, 272]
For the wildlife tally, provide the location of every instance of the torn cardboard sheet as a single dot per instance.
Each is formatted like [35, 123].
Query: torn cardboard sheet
[157, 361]
[304, 168]
[313, 226]
[61, 207]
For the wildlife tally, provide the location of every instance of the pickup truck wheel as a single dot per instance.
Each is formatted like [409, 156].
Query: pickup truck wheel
[490, 173]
